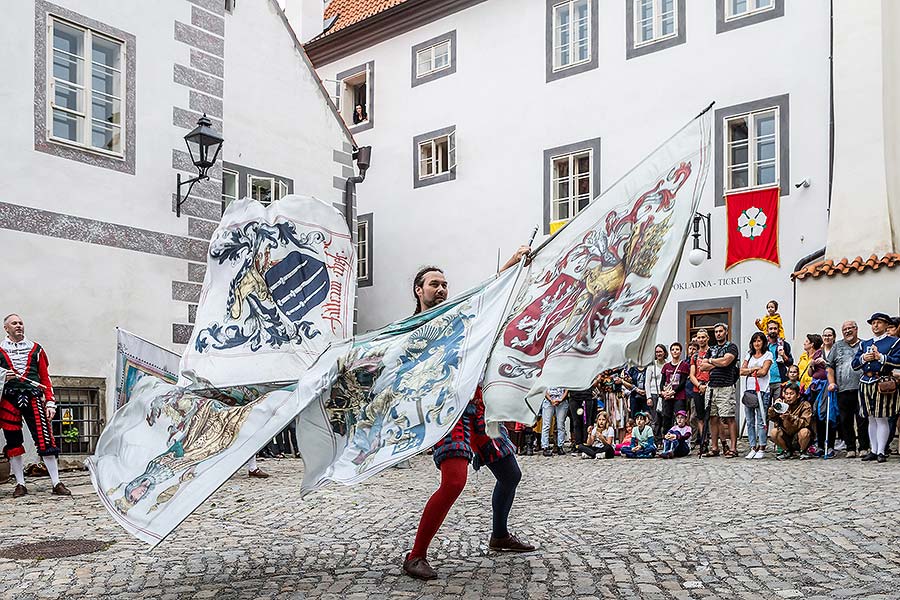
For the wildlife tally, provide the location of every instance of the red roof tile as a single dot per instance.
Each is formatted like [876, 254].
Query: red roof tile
[829, 268]
[354, 11]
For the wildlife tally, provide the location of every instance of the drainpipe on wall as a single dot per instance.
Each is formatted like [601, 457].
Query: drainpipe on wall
[830, 104]
[362, 156]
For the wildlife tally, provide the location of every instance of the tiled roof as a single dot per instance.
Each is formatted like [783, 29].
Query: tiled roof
[353, 11]
[829, 268]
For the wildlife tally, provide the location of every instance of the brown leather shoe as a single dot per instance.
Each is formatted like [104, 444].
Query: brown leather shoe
[509, 544]
[20, 491]
[60, 489]
[258, 473]
[418, 568]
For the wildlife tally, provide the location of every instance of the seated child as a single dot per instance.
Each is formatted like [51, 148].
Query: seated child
[600, 439]
[626, 436]
[771, 316]
[791, 429]
[677, 441]
[642, 443]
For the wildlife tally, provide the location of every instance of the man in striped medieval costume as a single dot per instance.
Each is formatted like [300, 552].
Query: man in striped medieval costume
[27, 394]
[878, 397]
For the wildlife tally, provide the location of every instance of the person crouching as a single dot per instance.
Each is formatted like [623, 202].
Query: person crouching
[791, 427]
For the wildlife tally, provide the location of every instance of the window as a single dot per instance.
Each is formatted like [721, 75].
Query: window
[571, 181]
[434, 157]
[734, 14]
[656, 20]
[86, 88]
[706, 319]
[229, 187]
[355, 96]
[362, 250]
[752, 150]
[434, 58]
[571, 33]
[78, 419]
[571, 185]
[742, 8]
[266, 189]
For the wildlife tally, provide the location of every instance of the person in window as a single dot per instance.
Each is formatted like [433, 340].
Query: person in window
[359, 114]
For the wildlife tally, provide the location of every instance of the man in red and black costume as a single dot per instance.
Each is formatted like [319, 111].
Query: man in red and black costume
[27, 394]
[467, 442]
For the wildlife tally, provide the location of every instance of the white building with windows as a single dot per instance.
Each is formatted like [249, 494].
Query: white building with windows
[494, 116]
[97, 98]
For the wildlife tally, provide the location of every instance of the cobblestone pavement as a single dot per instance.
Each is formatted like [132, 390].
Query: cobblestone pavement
[689, 528]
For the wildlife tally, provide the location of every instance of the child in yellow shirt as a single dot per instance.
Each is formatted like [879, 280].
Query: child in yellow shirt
[771, 316]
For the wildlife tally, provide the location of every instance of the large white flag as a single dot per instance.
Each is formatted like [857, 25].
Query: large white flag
[137, 358]
[280, 286]
[396, 391]
[595, 292]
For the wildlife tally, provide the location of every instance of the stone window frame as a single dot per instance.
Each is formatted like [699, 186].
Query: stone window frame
[43, 10]
[369, 69]
[724, 24]
[680, 37]
[592, 144]
[593, 63]
[369, 278]
[242, 174]
[450, 175]
[450, 36]
[782, 102]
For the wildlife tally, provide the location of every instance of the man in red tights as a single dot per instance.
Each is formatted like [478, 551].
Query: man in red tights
[467, 442]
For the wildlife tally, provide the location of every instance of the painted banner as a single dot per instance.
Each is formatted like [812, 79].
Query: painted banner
[136, 358]
[397, 391]
[169, 448]
[280, 286]
[594, 293]
[752, 226]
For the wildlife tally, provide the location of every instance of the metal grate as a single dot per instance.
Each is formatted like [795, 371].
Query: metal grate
[79, 419]
[53, 549]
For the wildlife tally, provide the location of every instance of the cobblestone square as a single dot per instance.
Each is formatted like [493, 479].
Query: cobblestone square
[688, 528]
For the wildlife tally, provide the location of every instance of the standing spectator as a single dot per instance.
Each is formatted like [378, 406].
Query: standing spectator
[818, 393]
[633, 382]
[781, 352]
[845, 381]
[675, 375]
[582, 408]
[555, 404]
[790, 426]
[877, 358]
[653, 383]
[755, 370]
[723, 374]
[700, 380]
[27, 394]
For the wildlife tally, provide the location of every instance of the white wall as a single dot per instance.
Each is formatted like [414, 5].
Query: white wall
[506, 115]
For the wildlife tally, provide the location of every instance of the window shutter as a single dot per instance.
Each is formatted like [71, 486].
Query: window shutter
[451, 151]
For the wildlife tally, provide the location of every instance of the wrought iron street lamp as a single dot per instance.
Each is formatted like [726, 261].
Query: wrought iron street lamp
[698, 254]
[204, 145]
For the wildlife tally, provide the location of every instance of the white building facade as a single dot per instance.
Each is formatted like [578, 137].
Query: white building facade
[489, 117]
[97, 98]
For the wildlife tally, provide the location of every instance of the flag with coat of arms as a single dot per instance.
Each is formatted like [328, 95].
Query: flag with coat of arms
[752, 226]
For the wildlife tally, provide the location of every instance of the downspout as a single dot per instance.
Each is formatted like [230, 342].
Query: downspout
[362, 156]
[800, 264]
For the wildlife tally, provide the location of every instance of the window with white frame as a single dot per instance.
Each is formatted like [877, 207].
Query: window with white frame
[736, 9]
[355, 96]
[437, 156]
[266, 189]
[229, 187]
[86, 88]
[752, 147]
[655, 20]
[362, 249]
[570, 184]
[571, 33]
[433, 59]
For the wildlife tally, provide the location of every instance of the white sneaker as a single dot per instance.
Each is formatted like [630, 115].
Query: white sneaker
[840, 445]
[751, 454]
[759, 454]
[584, 455]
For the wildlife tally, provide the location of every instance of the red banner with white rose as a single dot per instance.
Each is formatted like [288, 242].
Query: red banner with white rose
[752, 226]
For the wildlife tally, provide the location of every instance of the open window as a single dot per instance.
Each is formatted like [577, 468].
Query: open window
[354, 96]
[266, 189]
[435, 157]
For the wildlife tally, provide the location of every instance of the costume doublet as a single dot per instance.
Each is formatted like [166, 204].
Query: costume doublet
[23, 398]
[872, 402]
[469, 439]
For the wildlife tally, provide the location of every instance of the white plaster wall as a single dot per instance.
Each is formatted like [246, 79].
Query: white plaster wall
[506, 115]
[61, 185]
[890, 34]
[276, 118]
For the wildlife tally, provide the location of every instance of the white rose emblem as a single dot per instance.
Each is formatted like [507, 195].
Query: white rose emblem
[752, 222]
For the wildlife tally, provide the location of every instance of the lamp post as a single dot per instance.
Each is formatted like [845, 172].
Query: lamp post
[204, 145]
[699, 254]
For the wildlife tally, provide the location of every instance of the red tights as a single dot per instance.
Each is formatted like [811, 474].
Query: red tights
[453, 480]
